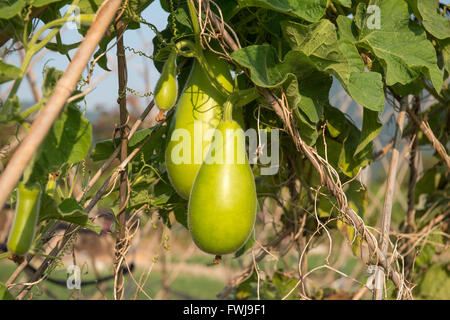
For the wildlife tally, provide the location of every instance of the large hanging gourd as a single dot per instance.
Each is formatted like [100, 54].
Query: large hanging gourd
[199, 101]
[222, 205]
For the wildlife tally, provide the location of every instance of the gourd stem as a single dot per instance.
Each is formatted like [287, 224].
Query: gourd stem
[186, 44]
[199, 51]
[228, 111]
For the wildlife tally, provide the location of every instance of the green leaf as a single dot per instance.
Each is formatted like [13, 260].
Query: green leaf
[61, 47]
[283, 285]
[248, 245]
[345, 3]
[333, 150]
[267, 71]
[51, 77]
[4, 293]
[8, 72]
[180, 213]
[89, 6]
[348, 162]
[354, 60]
[182, 21]
[445, 50]
[246, 288]
[337, 123]
[68, 210]
[228, 7]
[428, 12]
[9, 109]
[350, 137]
[262, 60]
[357, 197]
[428, 183]
[325, 207]
[414, 88]
[435, 283]
[367, 89]
[9, 8]
[306, 129]
[320, 43]
[68, 141]
[347, 29]
[310, 10]
[145, 193]
[370, 129]
[41, 3]
[400, 45]
[104, 149]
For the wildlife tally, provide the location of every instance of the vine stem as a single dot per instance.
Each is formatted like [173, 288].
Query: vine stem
[57, 100]
[389, 198]
[120, 27]
[410, 224]
[425, 127]
[199, 51]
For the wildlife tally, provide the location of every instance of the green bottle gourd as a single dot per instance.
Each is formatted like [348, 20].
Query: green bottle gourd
[25, 218]
[222, 205]
[166, 89]
[199, 101]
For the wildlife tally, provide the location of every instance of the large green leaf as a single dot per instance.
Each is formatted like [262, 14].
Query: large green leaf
[8, 72]
[9, 8]
[265, 68]
[68, 210]
[432, 21]
[400, 45]
[310, 10]
[370, 129]
[320, 43]
[267, 71]
[68, 141]
[367, 89]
